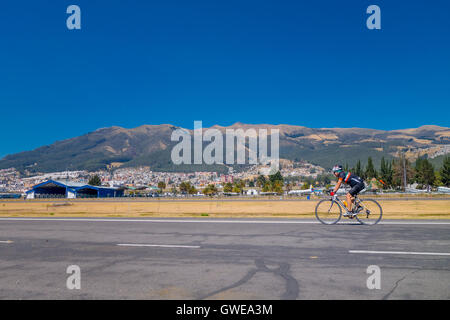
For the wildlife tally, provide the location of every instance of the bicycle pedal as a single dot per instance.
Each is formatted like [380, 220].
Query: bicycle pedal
[351, 215]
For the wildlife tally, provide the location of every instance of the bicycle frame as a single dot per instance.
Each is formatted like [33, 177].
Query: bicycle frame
[357, 201]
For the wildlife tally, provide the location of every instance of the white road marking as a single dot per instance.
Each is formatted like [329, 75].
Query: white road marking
[211, 221]
[414, 223]
[158, 220]
[156, 245]
[401, 252]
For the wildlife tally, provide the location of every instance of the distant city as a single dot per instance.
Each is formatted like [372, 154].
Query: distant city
[145, 178]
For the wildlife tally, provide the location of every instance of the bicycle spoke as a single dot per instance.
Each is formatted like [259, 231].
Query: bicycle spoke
[370, 212]
[328, 212]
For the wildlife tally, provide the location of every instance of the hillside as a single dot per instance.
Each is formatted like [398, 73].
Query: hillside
[150, 145]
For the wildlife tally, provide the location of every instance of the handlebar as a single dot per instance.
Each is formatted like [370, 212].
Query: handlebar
[328, 192]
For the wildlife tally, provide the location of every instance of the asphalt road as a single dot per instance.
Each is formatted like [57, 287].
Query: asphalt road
[222, 259]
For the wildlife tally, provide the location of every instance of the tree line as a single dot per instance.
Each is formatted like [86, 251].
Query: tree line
[392, 174]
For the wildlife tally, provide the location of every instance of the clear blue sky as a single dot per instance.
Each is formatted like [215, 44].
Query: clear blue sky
[311, 63]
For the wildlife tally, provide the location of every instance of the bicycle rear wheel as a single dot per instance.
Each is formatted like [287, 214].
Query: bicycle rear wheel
[328, 211]
[371, 212]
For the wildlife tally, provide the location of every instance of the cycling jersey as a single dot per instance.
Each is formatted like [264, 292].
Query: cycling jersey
[350, 178]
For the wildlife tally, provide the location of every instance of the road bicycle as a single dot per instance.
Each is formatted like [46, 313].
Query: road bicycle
[367, 211]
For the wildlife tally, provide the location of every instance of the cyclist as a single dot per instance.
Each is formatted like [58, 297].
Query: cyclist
[356, 183]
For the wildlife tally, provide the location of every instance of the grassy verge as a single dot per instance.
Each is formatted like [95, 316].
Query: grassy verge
[408, 209]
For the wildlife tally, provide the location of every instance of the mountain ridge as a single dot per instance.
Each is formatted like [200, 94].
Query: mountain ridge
[150, 145]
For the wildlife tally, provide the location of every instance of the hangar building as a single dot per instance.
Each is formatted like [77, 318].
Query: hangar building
[71, 190]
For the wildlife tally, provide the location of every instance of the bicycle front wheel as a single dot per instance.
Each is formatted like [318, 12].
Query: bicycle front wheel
[370, 212]
[328, 211]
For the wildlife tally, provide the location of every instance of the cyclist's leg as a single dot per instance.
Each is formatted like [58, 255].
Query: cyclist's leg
[352, 193]
[349, 200]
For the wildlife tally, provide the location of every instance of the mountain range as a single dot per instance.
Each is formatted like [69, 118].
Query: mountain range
[151, 145]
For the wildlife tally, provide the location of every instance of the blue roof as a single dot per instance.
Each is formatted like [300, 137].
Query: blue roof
[70, 185]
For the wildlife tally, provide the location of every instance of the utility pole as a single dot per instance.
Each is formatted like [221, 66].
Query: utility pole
[404, 171]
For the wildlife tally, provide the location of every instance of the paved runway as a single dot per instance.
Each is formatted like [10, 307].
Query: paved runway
[222, 259]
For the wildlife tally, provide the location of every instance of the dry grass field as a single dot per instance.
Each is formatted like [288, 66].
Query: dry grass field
[399, 209]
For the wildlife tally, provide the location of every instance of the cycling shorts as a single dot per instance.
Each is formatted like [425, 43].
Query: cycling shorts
[356, 189]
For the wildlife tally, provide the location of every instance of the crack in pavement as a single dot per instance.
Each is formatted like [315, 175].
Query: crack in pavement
[398, 282]
[292, 287]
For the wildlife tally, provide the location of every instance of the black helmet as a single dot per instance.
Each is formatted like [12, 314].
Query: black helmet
[337, 168]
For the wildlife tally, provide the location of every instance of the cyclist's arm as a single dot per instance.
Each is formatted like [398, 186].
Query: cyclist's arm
[338, 185]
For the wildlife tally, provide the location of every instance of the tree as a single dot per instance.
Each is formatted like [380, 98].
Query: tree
[276, 182]
[237, 188]
[276, 177]
[261, 181]
[210, 190]
[185, 187]
[305, 186]
[445, 172]
[288, 186]
[228, 187]
[438, 179]
[192, 190]
[241, 184]
[95, 181]
[424, 172]
[266, 187]
[358, 170]
[370, 170]
[277, 186]
[399, 166]
[386, 173]
[161, 185]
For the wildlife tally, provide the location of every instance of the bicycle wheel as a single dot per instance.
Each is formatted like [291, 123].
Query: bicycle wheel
[371, 212]
[328, 211]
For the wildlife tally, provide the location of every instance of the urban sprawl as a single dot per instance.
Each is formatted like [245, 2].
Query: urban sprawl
[143, 179]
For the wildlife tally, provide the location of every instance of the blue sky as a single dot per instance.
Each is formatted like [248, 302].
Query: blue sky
[310, 63]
